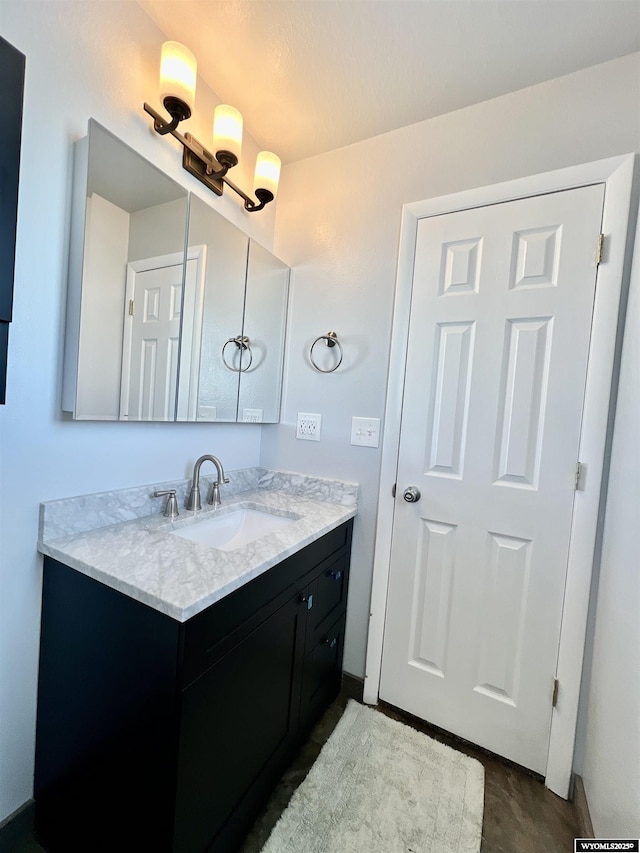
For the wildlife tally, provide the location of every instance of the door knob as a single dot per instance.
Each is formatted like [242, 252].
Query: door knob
[411, 494]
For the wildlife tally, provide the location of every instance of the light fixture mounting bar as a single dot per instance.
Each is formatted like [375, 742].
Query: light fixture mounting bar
[200, 163]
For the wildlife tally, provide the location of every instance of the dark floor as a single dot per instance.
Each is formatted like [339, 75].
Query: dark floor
[520, 814]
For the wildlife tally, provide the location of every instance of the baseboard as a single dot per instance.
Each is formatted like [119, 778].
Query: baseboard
[352, 686]
[582, 808]
[15, 828]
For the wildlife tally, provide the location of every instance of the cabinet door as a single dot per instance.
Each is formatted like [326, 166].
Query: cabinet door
[105, 739]
[265, 317]
[239, 721]
[216, 316]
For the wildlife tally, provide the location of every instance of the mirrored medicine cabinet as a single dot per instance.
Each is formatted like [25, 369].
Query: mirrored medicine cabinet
[173, 313]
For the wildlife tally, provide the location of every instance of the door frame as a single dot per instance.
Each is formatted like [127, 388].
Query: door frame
[612, 277]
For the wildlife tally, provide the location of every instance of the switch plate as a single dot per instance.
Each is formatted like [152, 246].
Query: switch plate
[252, 416]
[365, 432]
[308, 426]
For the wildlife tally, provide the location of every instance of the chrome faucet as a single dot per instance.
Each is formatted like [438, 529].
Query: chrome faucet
[193, 501]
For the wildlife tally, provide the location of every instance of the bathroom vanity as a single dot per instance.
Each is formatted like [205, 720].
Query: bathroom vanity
[167, 731]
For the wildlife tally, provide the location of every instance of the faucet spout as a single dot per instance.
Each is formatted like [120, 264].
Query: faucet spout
[194, 501]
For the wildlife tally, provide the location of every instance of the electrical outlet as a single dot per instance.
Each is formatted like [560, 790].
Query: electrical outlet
[207, 413]
[308, 426]
[252, 416]
[365, 431]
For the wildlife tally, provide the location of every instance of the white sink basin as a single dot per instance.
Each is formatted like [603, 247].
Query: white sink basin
[233, 529]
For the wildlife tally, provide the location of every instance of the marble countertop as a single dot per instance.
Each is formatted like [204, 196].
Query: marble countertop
[179, 577]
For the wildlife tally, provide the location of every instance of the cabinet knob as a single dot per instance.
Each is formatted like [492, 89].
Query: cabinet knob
[331, 643]
[336, 575]
[308, 600]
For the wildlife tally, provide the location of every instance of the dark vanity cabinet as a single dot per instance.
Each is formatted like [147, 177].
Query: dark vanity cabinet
[165, 736]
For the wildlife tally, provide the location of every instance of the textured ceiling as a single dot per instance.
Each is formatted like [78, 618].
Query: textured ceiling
[313, 75]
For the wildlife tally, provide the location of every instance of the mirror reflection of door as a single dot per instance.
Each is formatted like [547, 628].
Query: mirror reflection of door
[152, 329]
[153, 369]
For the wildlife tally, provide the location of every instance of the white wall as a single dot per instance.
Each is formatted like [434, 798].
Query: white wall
[610, 748]
[157, 230]
[338, 224]
[83, 60]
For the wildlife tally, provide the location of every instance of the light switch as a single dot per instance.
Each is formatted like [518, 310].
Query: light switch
[365, 432]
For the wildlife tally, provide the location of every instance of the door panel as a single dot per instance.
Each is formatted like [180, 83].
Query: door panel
[497, 354]
[431, 612]
[451, 381]
[150, 371]
[521, 409]
[153, 369]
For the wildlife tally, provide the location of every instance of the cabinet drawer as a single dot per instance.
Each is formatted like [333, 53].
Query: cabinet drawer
[329, 592]
[209, 635]
[322, 674]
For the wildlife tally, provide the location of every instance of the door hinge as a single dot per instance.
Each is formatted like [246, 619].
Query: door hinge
[393, 490]
[578, 476]
[131, 307]
[599, 249]
[556, 688]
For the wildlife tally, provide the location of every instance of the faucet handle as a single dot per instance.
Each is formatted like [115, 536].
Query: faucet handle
[171, 506]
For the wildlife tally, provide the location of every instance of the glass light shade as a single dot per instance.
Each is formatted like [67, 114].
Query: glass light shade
[227, 129]
[178, 69]
[267, 172]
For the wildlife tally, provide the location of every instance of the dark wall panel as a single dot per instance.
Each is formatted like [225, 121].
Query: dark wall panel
[12, 64]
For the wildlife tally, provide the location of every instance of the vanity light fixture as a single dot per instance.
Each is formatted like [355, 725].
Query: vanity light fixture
[178, 71]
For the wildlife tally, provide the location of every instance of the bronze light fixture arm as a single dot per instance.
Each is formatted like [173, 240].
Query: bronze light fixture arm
[264, 197]
[209, 169]
[212, 167]
[179, 112]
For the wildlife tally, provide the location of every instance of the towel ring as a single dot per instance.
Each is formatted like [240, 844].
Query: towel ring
[331, 340]
[242, 342]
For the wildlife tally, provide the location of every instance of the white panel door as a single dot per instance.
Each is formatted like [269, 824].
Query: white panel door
[497, 355]
[151, 369]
